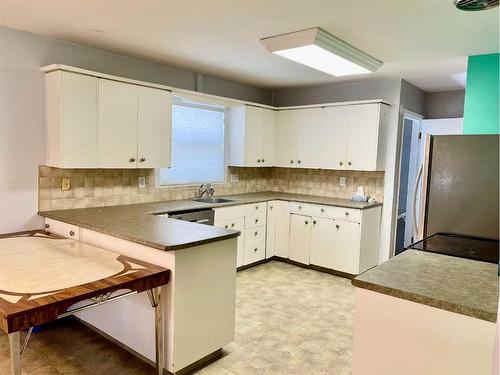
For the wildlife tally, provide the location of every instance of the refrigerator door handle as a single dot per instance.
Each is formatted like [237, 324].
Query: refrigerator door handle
[414, 208]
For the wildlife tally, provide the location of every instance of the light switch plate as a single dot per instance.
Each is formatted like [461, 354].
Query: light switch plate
[342, 181]
[234, 178]
[65, 184]
[142, 182]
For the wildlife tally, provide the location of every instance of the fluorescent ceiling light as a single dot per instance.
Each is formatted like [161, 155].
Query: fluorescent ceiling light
[322, 51]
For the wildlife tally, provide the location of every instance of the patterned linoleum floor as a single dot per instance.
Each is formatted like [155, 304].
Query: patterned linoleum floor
[289, 320]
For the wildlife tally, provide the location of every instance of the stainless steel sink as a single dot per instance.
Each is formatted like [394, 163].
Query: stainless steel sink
[212, 200]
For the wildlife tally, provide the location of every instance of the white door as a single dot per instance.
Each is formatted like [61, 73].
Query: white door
[346, 247]
[309, 138]
[79, 121]
[117, 125]
[154, 128]
[322, 237]
[362, 137]
[334, 138]
[286, 138]
[268, 137]
[271, 229]
[282, 228]
[300, 238]
[253, 136]
[236, 224]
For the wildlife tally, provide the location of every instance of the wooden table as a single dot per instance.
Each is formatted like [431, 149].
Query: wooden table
[44, 277]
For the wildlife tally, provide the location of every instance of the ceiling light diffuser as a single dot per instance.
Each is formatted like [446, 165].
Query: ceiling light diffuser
[322, 51]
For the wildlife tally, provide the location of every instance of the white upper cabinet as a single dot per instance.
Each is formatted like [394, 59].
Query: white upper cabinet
[286, 138]
[95, 122]
[334, 138]
[154, 128]
[309, 139]
[251, 136]
[117, 124]
[71, 120]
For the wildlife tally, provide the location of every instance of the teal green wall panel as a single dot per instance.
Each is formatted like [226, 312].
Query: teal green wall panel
[482, 99]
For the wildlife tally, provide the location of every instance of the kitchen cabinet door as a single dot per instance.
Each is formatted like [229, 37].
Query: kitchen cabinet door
[235, 224]
[334, 137]
[286, 138]
[300, 238]
[271, 229]
[309, 137]
[362, 138]
[282, 248]
[117, 124]
[253, 136]
[322, 238]
[268, 137]
[346, 247]
[154, 128]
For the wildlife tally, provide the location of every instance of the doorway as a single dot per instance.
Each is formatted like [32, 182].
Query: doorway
[415, 130]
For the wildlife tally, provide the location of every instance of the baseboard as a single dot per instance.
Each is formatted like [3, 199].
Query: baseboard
[294, 263]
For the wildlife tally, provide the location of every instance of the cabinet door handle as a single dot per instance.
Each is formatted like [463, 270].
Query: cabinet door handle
[347, 213]
[322, 210]
[142, 160]
[337, 226]
[270, 207]
[306, 222]
[258, 160]
[349, 163]
[263, 160]
[291, 161]
[71, 233]
[314, 221]
[256, 221]
[232, 225]
[256, 207]
[256, 233]
[299, 161]
[255, 250]
[131, 160]
[226, 226]
[47, 226]
[340, 163]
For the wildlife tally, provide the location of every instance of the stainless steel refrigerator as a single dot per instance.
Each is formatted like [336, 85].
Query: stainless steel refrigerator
[459, 191]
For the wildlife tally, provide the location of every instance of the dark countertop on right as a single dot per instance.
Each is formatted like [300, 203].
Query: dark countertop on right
[464, 286]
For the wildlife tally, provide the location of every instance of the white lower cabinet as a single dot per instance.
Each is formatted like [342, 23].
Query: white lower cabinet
[300, 238]
[346, 247]
[322, 242]
[282, 231]
[250, 220]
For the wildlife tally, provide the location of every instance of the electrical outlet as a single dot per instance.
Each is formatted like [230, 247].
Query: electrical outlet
[234, 178]
[342, 181]
[142, 182]
[66, 184]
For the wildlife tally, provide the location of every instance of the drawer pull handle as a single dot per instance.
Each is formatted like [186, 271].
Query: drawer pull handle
[131, 160]
[256, 233]
[232, 225]
[226, 226]
[300, 207]
[256, 221]
[337, 226]
[340, 163]
[47, 226]
[71, 233]
[322, 210]
[346, 213]
[256, 207]
[255, 250]
[263, 160]
[142, 160]
[258, 160]
[306, 222]
[314, 221]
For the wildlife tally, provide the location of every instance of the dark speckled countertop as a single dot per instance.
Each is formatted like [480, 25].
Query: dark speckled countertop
[135, 223]
[464, 286]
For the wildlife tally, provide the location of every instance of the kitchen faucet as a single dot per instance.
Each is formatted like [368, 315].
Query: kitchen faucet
[206, 189]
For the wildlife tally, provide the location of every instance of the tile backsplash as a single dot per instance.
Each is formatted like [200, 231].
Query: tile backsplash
[109, 187]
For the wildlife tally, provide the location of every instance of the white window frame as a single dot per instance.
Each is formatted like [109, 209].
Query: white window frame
[158, 183]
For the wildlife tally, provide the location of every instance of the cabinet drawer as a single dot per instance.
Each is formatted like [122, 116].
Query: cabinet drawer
[255, 208]
[252, 221]
[346, 214]
[254, 252]
[62, 229]
[236, 223]
[301, 208]
[226, 213]
[255, 234]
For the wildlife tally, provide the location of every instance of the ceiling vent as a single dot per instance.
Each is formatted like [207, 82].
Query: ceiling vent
[474, 5]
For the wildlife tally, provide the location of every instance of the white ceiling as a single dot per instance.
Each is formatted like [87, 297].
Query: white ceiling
[423, 41]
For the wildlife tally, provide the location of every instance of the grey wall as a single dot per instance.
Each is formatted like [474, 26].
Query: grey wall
[22, 134]
[412, 98]
[444, 104]
[388, 90]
